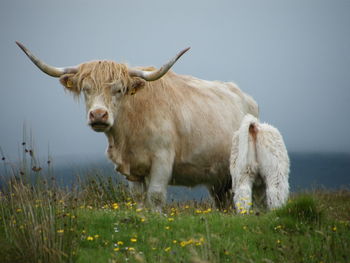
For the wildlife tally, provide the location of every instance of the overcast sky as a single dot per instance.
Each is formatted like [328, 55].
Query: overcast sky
[292, 56]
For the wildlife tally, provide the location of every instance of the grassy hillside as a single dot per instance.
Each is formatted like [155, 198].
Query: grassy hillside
[99, 223]
[96, 220]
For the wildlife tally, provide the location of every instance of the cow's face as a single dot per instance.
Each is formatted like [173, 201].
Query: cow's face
[104, 84]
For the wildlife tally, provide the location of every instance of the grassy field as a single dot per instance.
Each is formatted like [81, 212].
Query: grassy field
[97, 221]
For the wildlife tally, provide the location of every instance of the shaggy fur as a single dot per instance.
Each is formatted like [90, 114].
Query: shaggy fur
[258, 158]
[170, 131]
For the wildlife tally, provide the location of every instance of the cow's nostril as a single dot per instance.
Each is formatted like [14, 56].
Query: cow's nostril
[105, 116]
[91, 115]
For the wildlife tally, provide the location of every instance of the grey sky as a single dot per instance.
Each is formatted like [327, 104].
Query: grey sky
[293, 57]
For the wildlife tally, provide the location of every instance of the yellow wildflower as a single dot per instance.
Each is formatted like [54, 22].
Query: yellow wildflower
[334, 229]
[116, 249]
[115, 206]
[170, 219]
[134, 240]
[97, 236]
[60, 231]
[198, 211]
[174, 241]
[90, 238]
[18, 210]
[120, 243]
[185, 243]
[167, 227]
[131, 249]
[143, 219]
[167, 249]
[138, 210]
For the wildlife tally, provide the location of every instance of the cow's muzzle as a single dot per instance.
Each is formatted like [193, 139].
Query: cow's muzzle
[98, 120]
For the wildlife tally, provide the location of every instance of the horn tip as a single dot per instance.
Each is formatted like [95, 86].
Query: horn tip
[182, 52]
[21, 45]
[185, 50]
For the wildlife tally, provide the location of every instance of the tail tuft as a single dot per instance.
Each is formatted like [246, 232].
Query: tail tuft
[253, 130]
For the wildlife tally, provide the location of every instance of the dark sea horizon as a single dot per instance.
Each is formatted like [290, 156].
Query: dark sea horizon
[309, 171]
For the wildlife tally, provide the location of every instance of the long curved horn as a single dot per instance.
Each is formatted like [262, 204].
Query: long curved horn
[50, 70]
[156, 74]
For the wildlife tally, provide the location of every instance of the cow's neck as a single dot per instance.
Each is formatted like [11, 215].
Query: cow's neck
[115, 151]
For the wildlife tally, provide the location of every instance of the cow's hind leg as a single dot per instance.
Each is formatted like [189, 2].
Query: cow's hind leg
[243, 193]
[277, 190]
[222, 195]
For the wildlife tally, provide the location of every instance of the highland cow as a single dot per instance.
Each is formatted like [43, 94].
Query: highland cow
[162, 128]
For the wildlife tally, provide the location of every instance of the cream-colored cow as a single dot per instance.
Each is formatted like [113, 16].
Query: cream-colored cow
[162, 128]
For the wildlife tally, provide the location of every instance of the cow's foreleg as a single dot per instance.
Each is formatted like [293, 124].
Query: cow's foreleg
[160, 176]
[137, 191]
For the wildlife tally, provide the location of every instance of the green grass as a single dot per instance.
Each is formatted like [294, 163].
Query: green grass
[97, 221]
[69, 229]
[189, 236]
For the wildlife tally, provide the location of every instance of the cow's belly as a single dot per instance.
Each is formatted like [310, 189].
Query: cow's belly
[188, 174]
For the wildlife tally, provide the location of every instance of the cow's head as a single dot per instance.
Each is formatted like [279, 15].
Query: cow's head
[103, 83]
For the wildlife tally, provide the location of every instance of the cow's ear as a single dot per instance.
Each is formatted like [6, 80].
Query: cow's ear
[136, 84]
[69, 82]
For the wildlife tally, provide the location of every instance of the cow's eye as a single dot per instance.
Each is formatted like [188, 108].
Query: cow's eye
[115, 90]
[87, 89]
